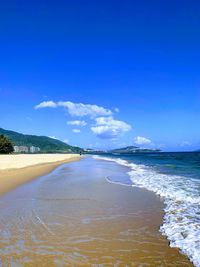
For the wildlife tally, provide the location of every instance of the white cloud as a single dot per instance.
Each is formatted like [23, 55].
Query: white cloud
[77, 123]
[46, 104]
[107, 127]
[53, 137]
[81, 110]
[76, 131]
[77, 109]
[139, 140]
[66, 141]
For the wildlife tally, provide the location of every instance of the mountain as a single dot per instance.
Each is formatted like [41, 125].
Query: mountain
[123, 150]
[128, 149]
[46, 144]
[132, 149]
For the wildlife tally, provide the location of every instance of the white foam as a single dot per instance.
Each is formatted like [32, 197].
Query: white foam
[181, 195]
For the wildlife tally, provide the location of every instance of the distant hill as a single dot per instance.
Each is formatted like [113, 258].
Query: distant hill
[123, 150]
[46, 144]
[132, 149]
[128, 149]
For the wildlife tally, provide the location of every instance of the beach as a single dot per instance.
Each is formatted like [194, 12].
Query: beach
[78, 215]
[18, 169]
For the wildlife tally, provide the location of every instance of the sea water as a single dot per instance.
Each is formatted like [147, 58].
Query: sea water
[175, 177]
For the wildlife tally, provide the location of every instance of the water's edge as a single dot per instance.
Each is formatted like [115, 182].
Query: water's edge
[182, 210]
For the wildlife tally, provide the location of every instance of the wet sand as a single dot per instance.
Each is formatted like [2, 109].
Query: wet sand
[75, 217]
[18, 169]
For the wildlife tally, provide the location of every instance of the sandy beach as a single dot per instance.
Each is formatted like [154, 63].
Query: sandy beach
[18, 169]
[74, 217]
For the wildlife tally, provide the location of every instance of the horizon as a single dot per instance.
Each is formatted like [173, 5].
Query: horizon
[102, 75]
[160, 151]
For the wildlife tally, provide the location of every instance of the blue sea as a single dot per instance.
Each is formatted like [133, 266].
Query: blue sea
[175, 177]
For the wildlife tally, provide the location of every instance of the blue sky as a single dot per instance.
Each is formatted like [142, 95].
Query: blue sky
[133, 65]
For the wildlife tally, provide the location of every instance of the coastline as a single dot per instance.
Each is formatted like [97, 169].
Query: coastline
[77, 218]
[12, 176]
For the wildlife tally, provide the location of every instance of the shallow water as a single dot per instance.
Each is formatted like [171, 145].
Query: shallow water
[176, 178]
[75, 217]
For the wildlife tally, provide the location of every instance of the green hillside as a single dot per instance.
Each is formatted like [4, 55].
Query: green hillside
[46, 144]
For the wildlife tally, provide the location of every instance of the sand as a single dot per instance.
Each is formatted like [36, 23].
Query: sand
[74, 217]
[22, 161]
[18, 169]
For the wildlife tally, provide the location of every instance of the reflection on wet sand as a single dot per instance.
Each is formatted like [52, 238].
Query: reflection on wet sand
[74, 217]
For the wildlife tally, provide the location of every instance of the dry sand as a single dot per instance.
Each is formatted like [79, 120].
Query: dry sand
[22, 161]
[18, 169]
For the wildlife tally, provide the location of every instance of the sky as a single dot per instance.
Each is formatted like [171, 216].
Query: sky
[102, 74]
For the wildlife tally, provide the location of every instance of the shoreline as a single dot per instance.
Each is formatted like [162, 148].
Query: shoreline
[158, 219]
[10, 178]
[76, 217]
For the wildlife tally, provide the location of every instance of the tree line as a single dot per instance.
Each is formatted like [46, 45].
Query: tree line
[6, 146]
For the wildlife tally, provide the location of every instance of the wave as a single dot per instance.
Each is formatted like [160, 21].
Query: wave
[181, 222]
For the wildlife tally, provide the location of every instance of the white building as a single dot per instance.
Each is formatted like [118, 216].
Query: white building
[21, 149]
[26, 149]
[34, 149]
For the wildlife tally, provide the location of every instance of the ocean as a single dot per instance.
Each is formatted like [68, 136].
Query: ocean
[175, 177]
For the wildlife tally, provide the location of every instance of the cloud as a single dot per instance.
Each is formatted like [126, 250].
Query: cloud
[139, 140]
[46, 104]
[77, 123]
[107, 127]
[53, 137]
[66, 141]
[76, 131]
[77, 109]
[81, 110]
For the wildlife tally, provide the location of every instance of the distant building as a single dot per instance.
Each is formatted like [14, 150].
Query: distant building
[88, 150]
[34, 149]
[26, 149]
[21, 149]
[16, 149]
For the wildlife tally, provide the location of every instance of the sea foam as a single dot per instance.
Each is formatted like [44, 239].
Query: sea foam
[181, 222]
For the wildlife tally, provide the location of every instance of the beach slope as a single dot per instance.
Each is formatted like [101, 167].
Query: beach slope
[75, 217]
[18, 169]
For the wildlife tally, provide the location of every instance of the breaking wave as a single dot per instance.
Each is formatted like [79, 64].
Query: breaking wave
[181, 195]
